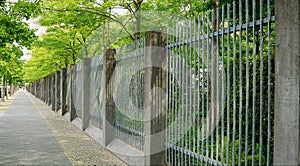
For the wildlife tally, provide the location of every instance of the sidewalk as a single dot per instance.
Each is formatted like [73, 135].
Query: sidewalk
[31, 134]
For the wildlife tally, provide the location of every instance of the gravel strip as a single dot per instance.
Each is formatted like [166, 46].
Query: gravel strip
[79, 147]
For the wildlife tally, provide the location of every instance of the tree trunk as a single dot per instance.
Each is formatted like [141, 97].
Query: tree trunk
[138, 5]
[6, 89]
[2, 90]
[11, 89]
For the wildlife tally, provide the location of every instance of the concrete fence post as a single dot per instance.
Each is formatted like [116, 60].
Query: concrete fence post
[72, 92]
[287, 83]
[53, 91]
[47, 100]
[34, 88]
[86, 92]
[109, 105]
[49, 90]
[155, 90]
[38, 88]
[41, 85]
[43, 89]
[57, 90]
[64, 91]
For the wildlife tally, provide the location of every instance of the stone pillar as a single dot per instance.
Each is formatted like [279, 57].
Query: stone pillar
[64, 91]
[44, 86]
[50, 90]
[155, 99]
[35, 88]
[287, 83]
[109, 105]
[44, 89]
[73, 92]
[57, 90]
[53, 91]
[86, 92]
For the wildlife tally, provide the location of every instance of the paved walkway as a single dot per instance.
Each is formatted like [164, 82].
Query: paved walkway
[31, 134]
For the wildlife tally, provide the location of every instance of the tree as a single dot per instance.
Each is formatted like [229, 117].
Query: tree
[14, 34]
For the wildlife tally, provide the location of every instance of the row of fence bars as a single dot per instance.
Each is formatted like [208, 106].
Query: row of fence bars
[213, 73]
[94, 83]
[218, 83]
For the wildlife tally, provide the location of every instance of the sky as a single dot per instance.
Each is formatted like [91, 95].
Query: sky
[39, 31]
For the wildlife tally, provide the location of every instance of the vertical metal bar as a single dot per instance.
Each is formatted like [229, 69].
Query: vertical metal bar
[217, 88]
[182, 98]
[202, 86]
[212, 93]
[186, 67]
[170, 96]
[247, 83]
[190, 110]
[240, 80]
[223, 88]
[228, 84]
[167, 101]
[194, 102]
[183, 74]
[261, 80]
[170, 105]
[198, 85]
[253, 83]
[134, 97]
[176, 91]
[269, 83]
[234, 84]
[207, 82]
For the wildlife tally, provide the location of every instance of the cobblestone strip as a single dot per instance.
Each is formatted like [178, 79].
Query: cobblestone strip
[79, 147]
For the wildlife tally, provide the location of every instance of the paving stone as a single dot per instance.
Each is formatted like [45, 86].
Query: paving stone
[32, 134]
[25, 138]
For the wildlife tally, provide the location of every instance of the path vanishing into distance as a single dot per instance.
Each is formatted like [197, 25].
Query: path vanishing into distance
[31, 134]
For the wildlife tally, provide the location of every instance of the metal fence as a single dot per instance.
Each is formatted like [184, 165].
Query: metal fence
[129, 93]
[78, 89]
[96, 99]
[68, 79]
[221, 87]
